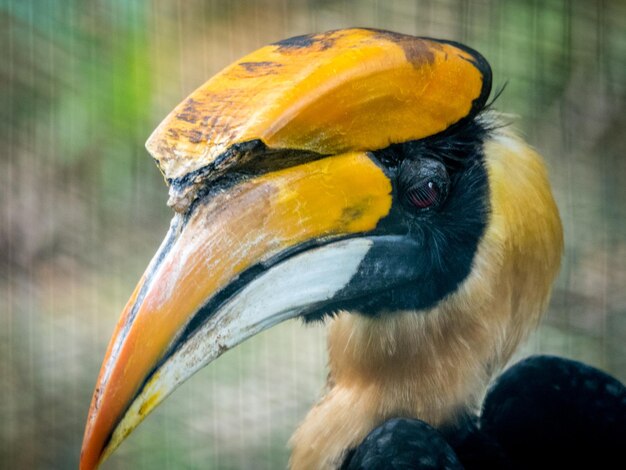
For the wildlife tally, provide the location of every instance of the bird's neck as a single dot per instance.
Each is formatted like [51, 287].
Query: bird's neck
[435, 365]
[408, 365]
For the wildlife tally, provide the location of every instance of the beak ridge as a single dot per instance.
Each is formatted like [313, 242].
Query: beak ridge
[207, 252]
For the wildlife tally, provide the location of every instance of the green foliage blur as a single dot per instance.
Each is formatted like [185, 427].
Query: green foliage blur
[82, 207]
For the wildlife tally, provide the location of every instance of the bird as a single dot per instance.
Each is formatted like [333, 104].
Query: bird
[361, 178]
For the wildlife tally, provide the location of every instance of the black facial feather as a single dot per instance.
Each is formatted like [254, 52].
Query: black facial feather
[448, 232]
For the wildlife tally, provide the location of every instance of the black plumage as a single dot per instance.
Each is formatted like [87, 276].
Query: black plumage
[544, 412]
[403, 443]
[553, 412]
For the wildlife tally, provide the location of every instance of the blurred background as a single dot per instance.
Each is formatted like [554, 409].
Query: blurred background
[82, 206]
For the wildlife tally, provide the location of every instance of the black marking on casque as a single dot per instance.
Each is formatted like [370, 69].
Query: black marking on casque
[234, 152]
[240, 161]
[418, 52]
[193, 135]
[323, 40]
[297, 42]
[187, 117]
[243, 167]
[261, 68]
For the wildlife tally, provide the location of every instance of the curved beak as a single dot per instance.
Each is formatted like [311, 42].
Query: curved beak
[256, 250]
[243, 259]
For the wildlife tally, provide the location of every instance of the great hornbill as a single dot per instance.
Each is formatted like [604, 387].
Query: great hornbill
[358, 177]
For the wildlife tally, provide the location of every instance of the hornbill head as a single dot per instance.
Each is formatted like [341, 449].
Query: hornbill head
[352, 171]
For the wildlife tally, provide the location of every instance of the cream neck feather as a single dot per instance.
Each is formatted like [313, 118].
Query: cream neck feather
[435, 365]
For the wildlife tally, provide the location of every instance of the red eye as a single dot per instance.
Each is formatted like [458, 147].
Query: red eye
[424, 195]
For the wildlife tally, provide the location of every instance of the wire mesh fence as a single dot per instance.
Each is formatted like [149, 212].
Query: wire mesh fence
[83, 84]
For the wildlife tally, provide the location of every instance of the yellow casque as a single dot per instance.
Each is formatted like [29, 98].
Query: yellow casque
[329, 93]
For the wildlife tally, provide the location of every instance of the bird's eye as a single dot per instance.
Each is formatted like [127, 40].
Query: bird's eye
[424, 195]
[423, 183]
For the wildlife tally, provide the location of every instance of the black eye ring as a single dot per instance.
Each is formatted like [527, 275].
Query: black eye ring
[423, 184]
